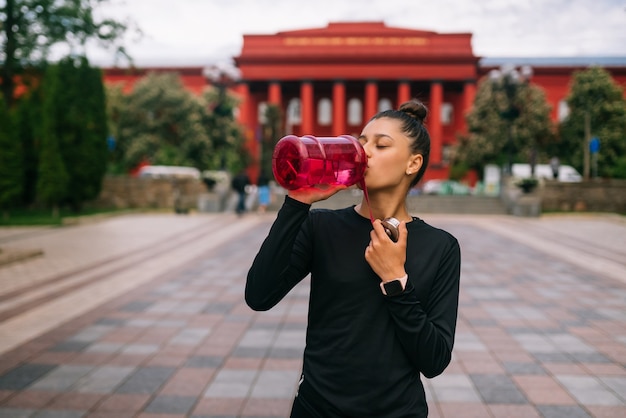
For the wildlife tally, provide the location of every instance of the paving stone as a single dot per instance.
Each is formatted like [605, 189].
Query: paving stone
[552, 357]
[231, 384]
[145, 380]
[92, 333]
[539, 333]
[519, 368]
[589, 391]
[137, 306]
[204, 361]
[62, 378]
[59, 414]
[70, 345]
[16, 413]
[190, 336]
[286, 353]
[498, 389]
[104, 379]
[218, 308]
[254, 352]
[548, 411]
[276, 384]
[165, 404]
[617, 384]
[25, 375]
[454, 388]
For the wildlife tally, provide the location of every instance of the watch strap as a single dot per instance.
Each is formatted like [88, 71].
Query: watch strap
[402, 280]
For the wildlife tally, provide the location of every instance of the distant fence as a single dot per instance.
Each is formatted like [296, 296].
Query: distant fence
[123, 192]
[589, 196]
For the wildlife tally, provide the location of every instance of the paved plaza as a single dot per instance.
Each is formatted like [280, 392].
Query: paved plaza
[143, 316]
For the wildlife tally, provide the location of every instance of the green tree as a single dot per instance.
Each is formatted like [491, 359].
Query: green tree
[158, 122]
[30, 28]
[271, 134]
[52, 176]
[162, 123]
[597, 108]
[505, 124]
[29, 131]
[10, 163]
[75, 123]
[228, 148]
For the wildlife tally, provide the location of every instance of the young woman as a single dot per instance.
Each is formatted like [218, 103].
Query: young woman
[381, 313]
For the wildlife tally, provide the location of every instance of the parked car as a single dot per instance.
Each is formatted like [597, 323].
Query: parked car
[168, 171]
[567, 173]
[445, 187]
[432, 186]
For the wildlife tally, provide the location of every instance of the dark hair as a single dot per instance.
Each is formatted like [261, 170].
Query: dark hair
[412, 114]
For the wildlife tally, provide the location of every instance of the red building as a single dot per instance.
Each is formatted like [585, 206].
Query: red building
[331, 80]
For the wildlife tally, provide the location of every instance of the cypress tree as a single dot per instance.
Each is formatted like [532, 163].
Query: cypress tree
[52, 177]
[29, 130]
[78, 120]
[10, 162]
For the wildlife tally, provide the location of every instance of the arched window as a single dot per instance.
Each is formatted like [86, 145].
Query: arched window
[294, 116]
[324, 112]
[384, 104]
[355, 112]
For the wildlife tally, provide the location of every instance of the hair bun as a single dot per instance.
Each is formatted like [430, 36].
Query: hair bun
[415, 109]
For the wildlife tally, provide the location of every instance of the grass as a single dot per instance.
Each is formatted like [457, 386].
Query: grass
[44, 217]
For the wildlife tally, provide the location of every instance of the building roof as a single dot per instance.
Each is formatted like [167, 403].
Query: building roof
[554, 61]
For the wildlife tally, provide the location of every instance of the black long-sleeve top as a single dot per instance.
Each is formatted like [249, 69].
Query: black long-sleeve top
[364, 351]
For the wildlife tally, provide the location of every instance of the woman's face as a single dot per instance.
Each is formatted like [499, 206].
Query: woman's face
[388, 153]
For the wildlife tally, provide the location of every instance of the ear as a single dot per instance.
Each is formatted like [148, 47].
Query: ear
[414, 164]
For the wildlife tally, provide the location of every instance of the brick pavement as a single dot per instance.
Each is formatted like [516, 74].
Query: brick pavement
[143, 316]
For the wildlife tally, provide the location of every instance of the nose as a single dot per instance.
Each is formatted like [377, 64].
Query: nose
[367, 147]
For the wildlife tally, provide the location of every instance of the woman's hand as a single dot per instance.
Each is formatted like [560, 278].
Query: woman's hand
[386, 257]
[310, 195]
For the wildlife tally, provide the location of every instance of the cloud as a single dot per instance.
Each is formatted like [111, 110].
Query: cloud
[193, 32]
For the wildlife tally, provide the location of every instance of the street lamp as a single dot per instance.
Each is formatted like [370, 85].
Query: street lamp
[221, 75]
[509, 79]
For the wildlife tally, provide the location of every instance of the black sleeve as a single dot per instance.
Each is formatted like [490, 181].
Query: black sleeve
[427, 332]
[281, 262]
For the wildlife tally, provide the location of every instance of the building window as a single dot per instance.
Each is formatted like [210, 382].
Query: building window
[262, 110]
[294, 116]
[324, 112]
[447, 113]
[447, 154]
[563, 110]
[384, 104]
[355, 112]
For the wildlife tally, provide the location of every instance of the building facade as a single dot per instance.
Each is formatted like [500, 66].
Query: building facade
[329, 81]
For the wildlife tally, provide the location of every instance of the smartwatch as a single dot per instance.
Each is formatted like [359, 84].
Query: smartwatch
[394, 287]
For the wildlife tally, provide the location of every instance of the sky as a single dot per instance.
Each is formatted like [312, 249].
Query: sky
[207, 32]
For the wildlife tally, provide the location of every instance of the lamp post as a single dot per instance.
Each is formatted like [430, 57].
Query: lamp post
[509, 79]
[221, 75]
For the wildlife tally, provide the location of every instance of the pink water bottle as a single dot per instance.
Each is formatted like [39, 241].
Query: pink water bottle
[308, 161]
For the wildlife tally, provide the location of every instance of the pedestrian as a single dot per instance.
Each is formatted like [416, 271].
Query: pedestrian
[239, 184]
[263, 187]
[554, 166]
[381, 313]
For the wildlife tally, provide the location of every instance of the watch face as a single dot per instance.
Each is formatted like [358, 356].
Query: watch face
[393, 288]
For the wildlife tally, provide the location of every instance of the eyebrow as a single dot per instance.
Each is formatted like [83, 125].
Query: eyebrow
[377, 136]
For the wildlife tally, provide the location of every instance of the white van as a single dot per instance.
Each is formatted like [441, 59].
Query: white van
[567, 173]
[168, 171]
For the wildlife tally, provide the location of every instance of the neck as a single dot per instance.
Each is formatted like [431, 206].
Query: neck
[382, 205]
